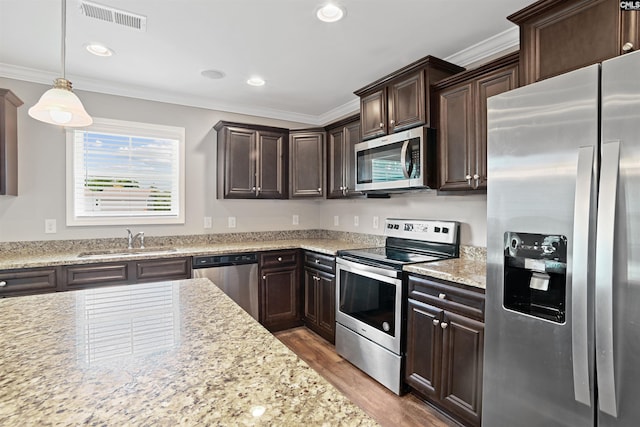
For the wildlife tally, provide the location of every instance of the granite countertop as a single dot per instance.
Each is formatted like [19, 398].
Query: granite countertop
[471, 272]
[52, 257]
[166, 353]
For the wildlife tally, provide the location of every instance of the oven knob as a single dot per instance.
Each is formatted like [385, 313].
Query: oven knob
[385, 326]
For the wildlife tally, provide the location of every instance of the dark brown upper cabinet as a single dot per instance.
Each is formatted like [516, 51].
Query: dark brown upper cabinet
[402, 99]
[557, 36]
[342, 136]
[9, 104]
[306, 163]
[252, 161]
[462, 122]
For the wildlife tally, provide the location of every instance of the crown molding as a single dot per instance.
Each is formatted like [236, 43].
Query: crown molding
[487, 48]
[479, 51]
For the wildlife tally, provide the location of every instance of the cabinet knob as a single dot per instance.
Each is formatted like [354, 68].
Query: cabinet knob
[319, 190]
[392, 122]
[264, 277]
[381, 125]
[468, 178]
[627, 47]
[476, 176]
[444, 325]
[253, 188]
[3, 283]
[341, 188]
[442, 296]
[436, 322]
[279, 259]
[317, 261]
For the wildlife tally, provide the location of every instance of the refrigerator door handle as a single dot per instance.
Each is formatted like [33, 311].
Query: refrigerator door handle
[579, 282]
[605, 373]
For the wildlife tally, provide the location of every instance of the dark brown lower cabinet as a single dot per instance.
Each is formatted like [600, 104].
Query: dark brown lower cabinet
[319, 283]
[83, 276]
[29, 281]
[279, 290]
[320, 303]
[445, 344]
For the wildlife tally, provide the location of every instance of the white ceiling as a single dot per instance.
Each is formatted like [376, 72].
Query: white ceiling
[311, 67]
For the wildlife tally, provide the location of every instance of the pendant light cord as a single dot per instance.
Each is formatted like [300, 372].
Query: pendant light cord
[64, 37]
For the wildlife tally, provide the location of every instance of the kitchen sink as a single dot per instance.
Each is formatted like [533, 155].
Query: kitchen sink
[125, 252]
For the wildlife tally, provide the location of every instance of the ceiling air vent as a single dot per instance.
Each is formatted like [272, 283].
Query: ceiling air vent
[109, 14]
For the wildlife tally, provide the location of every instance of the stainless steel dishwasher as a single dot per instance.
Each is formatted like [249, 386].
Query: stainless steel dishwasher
[235, 274]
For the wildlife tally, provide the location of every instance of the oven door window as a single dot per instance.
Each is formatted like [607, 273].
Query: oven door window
[369, 300]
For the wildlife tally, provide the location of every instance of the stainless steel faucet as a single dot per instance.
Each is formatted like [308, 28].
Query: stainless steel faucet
[131, 238]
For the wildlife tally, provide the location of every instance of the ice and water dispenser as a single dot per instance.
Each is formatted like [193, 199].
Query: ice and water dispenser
[535, 274]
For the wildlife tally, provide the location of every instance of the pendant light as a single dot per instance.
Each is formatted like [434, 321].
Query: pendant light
[59, 105]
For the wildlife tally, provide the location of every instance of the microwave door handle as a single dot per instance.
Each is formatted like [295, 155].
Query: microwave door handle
[403, 160]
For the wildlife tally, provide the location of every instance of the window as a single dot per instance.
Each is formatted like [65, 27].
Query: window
[125, 173]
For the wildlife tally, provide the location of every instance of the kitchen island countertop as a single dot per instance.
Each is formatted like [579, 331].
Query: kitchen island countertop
[165, 353]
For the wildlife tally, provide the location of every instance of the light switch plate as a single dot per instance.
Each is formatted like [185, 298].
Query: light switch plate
[232, 222]
[50, 226]
[336, 220]
[296, 220]
[207, 222]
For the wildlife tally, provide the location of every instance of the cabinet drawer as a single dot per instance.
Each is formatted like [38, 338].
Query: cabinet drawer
[28, 281]
[92, 275]
[274, 259]
[163, 269]
[319, 261]
[447, 295]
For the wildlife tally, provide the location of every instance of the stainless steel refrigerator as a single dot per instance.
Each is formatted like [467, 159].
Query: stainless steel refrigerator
[562, 337]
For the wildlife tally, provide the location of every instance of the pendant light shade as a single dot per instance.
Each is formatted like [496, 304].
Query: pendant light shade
[59, 105]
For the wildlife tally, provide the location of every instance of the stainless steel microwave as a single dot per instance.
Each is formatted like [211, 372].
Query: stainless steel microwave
[400, 161]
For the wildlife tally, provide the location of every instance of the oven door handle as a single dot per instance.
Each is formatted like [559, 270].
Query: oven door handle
[358, 268]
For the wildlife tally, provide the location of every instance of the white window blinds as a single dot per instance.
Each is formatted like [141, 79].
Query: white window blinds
[126, 173]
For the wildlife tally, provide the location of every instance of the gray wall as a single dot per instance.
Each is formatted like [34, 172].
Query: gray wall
[41, 188]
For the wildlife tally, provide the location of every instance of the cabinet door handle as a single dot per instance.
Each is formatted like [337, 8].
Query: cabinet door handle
[392, 122]
[468, 178]
[258, 191]
[442, 296]
[476, 177]
[279, 259]
[344, 190]
[3, 284]
[317, 261]
[436, 322]
[444, 325]
[627, 47]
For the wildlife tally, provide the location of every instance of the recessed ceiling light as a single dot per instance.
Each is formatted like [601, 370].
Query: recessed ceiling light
[256, 81]
[98, 49]
[330, 13]
[212, 74]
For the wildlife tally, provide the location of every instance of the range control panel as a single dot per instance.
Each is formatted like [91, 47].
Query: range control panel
[421, 229]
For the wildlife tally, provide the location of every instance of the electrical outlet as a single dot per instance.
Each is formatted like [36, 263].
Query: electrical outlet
[207, 222]
[50, 226]
[356, 220]
[376, 222]
[296, 220]
[336, 220]
[232, 222]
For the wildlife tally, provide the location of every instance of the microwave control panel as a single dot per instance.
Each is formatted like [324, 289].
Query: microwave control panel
[425, 230]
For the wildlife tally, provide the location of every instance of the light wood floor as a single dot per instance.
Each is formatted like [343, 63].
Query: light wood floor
[388, 409]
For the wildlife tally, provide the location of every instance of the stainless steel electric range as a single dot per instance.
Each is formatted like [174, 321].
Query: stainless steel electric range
[370, 296]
